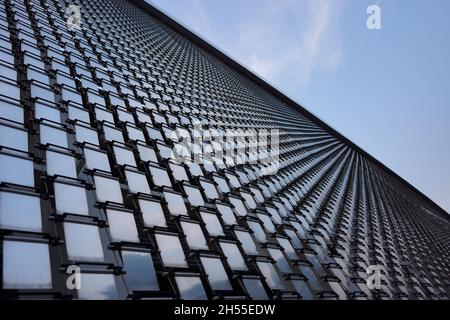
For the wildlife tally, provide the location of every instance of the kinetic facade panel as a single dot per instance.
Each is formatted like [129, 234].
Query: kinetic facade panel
[90, 118]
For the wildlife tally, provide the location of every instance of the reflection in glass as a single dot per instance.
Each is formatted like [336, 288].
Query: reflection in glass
[194, 235]
[51, 135]
[303, 289]
[13, 138]
[288, 248]
[227, 214]
[217, 277]
[255, 289]
[140, 272]
[190, 288]
[137, 182]
[270, 274]
[11, 111]
[268, 224]
[280, 260]
[152, 213]
[43, 111]
[171, 251]
[146, 153]
[18, 257]
[70, 199]
[60, 164]
[233, 255]
[124, 156]
[20, 212]
[178, 172]
[83, 134]
[160, 177]
[238, 206]
[194, 196]
[122, 226]
[83, 242]
[248, 244]
[97, 287]
[96, 160]
[210, 190]
[16, 170]
[107, 189]
[212, 224]
[258, 230]
[175, 203]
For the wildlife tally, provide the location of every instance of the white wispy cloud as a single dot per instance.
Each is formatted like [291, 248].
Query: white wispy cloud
[291, 40]
[288, 42]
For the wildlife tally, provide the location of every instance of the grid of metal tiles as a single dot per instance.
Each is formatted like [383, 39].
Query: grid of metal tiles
[87, 180]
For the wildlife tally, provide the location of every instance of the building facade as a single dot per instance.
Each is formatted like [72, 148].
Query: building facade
[102, 197]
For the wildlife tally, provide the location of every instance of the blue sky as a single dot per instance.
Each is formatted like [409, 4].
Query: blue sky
[386, 90]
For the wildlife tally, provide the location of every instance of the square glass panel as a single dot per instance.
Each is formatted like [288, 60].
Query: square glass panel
[302, 288]
[70, 199]
[83, 242]
[122, 226]
[51, 135]
[217, 277]
[175, 203]
[43, 111]
[233, 255]
[194, 169]
[275, 215]
[164, 151]
[178, 172]
[13, 138]
[194, 196]
[124, 156]
[212, 224]
[140, 272]
[103, 115]
[313, 281]
[194, 235]
[16, 170]
[238, 206]
[294, 238]
[11, 112]
[248, 244]
[137, 182]
[97, 287]
[280, 260]
[146, 153]
[288, 248]
[20, 212]
[160, 177]
[267, 222]
[270, 275]
[152, 213]
[60, 164]
[78, 114]
[258, 230]
[222, 184]
[135, 134]
[190, 288]
[249, 200]
[107, 190]
[210, 190]
[83, 134]
[255, 289]
[96, 160]
[112, 134]
[227, 214]
[171, 251]
[18, 257]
